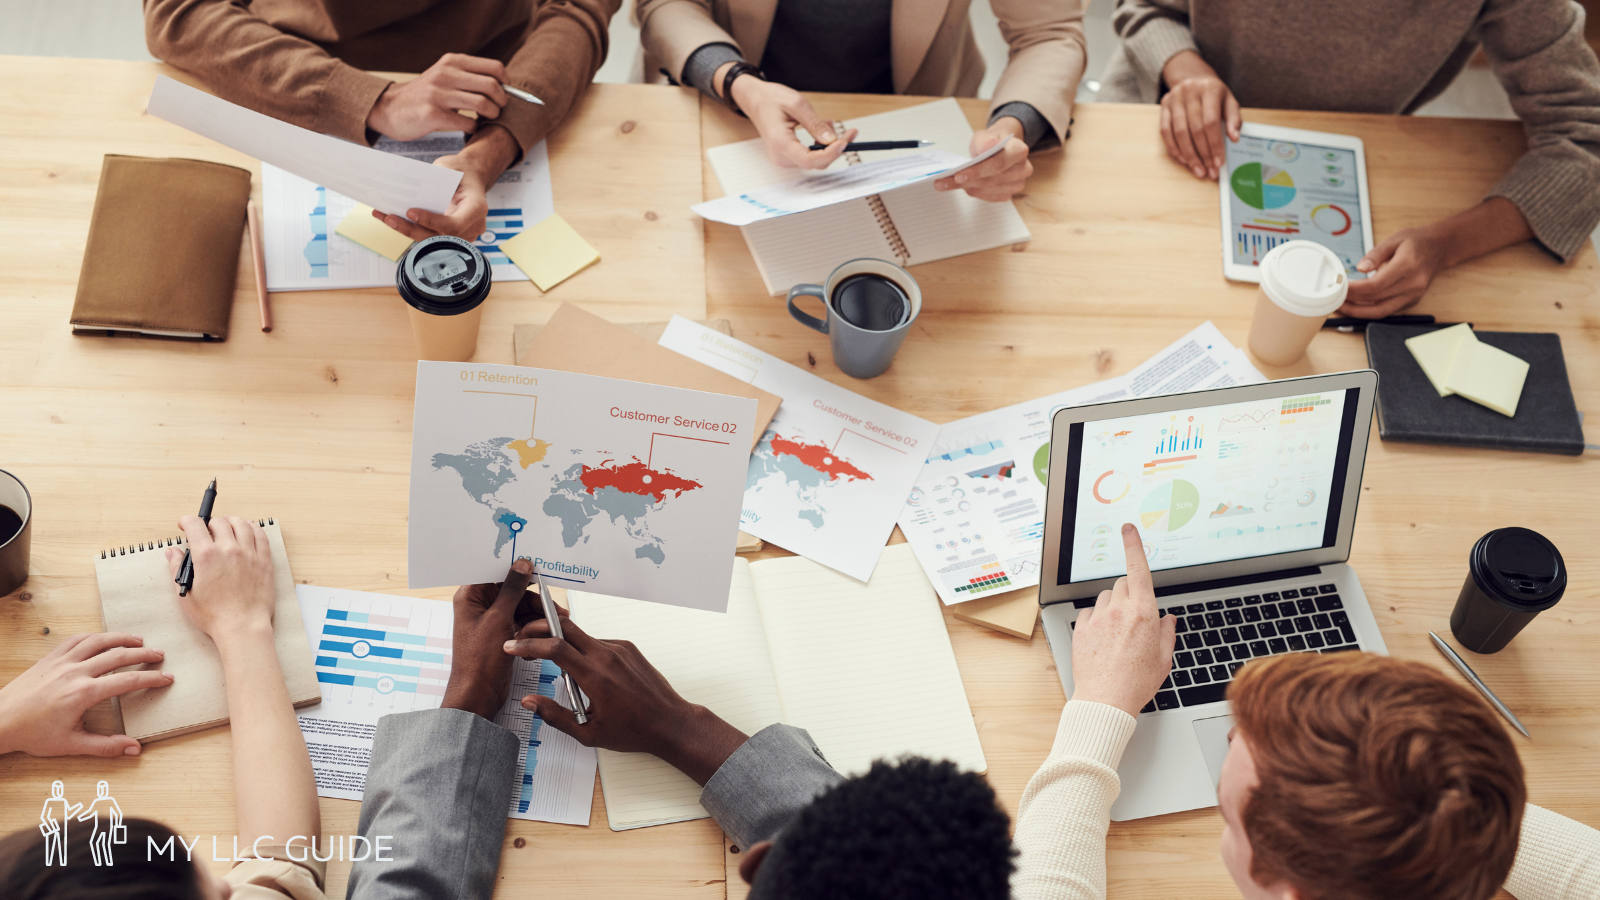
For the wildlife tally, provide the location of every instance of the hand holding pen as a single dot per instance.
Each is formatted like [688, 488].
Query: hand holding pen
[185, 577]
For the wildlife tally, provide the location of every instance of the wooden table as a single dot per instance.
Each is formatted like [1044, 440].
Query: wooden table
[311, 423]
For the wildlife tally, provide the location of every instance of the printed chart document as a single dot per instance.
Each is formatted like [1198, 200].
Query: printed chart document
[378, 654]
[883, 687]
[607, 485]
[833, 469]
[976, 514]
[381, 180]
[306, 251]
[910, 223]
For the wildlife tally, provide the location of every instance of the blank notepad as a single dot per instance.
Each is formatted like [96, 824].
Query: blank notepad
[867, 670]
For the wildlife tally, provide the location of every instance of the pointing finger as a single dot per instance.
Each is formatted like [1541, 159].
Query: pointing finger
[1139, 582]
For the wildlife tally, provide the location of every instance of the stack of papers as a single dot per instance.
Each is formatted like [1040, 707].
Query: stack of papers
[1456, 362]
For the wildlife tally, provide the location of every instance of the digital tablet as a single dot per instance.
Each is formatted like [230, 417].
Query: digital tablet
[1285, 184]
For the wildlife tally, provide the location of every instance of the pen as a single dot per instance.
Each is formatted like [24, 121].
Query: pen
[580, 711]
[1461, 665]
[1350, 324]
[856, 146]
[520, 94]
[185, 579]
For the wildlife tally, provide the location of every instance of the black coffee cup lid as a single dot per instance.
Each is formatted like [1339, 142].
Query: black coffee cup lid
[443, 275]
[1520, 566]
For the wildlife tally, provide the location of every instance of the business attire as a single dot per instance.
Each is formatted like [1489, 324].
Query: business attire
[1376, 56]
[307, 61]
[878, 46]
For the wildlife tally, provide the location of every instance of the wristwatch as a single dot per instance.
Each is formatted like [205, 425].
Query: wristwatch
[734, 71]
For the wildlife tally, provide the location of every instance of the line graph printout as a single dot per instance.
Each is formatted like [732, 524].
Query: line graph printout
[378, 654]
[975, 517]
[610, 486]
[832, 471]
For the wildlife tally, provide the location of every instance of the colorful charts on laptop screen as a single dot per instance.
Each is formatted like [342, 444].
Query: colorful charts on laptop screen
[1283, 191]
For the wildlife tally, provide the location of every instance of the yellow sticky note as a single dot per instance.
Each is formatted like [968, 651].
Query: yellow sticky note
[550, 252]
[358, 225]
[1487, 375]
[1436, 351]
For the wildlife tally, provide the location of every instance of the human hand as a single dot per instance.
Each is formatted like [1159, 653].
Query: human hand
[775, 110]
[486, 616]
[1400, 270]
[480, 163]
[1000, 177]
[1195, 113]
[1122, 648]
[433, 100]
[234, 595]
[41, 710]
[632, 708]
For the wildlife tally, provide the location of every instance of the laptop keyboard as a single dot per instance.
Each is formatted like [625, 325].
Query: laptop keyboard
[1217, 637]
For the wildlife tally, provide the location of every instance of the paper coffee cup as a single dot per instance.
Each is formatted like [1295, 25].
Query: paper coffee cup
[1301, 282]
[444, 281]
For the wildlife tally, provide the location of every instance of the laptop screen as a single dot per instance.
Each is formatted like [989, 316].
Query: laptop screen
[1206, 484]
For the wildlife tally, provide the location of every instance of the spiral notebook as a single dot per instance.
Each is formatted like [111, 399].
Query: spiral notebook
[137, 596]
[909, 225]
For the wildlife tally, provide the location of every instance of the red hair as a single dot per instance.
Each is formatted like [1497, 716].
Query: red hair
[1379, 778]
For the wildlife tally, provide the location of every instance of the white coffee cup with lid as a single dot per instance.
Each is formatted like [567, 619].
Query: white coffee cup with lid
[1301, 282]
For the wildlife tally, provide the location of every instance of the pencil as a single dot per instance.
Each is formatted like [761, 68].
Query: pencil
[254, 218]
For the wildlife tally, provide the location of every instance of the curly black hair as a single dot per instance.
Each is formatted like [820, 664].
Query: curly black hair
[915, 829]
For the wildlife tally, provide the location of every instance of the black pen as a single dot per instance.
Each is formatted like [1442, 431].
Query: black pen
[1350, 324]
[856, 146]
[185, 579]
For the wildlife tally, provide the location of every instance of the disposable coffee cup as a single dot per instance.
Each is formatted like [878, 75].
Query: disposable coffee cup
[868, 307]
[16, 523]
[1513, 574]
[444, 281]
[1301, 282]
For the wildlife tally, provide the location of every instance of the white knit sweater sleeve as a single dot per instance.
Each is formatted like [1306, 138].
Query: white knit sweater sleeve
[1066, 808]
[1557, 858]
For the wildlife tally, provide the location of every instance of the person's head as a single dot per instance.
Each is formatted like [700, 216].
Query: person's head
[101, 789]
[916, 828]
[136, 873]
[1361, 777]
[56, 790]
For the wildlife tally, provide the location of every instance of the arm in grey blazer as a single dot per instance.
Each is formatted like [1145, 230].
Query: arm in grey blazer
[439, 787]
[766, 782]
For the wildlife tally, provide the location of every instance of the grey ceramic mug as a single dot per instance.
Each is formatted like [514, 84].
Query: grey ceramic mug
[859, 352]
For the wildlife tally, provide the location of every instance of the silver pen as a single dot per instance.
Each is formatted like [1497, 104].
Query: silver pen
[1461, 665]
[579, 712]
[520, 94]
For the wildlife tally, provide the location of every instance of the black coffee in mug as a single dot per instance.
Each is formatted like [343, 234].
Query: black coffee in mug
[10, 523]
[871, 302]
[16, 520]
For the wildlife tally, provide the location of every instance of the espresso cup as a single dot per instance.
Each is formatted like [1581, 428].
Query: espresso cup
[868, 306]
[444, 281]
[1301, 282]
[1513, 574]
[16, 521]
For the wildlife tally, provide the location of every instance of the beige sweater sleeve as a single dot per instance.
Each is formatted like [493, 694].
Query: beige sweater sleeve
[1557, 858]
[1045, 58]
[1066, 808]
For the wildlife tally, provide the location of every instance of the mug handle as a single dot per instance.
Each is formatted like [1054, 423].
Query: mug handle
[805, 318]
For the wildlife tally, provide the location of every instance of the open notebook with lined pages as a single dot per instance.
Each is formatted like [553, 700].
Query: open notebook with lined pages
[910, 225]
[866, 669]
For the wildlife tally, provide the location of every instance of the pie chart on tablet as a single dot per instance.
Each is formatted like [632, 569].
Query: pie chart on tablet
[1262, 186]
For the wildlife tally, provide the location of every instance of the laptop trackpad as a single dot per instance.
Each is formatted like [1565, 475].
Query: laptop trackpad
[1213, 736]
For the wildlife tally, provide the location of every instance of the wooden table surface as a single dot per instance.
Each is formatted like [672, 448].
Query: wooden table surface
[311, 423]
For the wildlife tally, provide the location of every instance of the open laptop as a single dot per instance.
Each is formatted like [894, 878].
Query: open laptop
[1246, 500]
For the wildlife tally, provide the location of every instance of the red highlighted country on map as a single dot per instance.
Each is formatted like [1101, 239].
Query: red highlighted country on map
[635, 478]
[819, 457]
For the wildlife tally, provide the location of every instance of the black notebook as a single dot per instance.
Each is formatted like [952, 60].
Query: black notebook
[1409, 409]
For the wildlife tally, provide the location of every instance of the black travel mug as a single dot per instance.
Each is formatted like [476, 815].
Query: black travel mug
[1513, 574]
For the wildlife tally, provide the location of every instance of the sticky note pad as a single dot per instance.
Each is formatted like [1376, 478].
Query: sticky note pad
[358, 225]
[1487, 375]
[550, 252]
[1436, 352]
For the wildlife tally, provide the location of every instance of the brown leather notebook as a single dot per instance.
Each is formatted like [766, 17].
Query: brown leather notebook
[163, 248]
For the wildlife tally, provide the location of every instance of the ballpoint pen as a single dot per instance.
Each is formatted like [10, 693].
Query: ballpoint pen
[185, 579]
[521, 94]
[856, 146]
[1461, 665]
[580, 710]
[1350, 324]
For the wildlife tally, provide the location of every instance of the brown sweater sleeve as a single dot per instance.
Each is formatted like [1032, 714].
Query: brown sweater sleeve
[247, 61]
[566, 44]
[1551, 75]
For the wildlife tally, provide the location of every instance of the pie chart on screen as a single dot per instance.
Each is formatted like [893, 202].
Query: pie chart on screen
[1332, 218]
[1262, 186]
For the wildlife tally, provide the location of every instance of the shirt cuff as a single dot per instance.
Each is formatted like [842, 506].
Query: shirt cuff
[1558, 193]
[760, 787]
[1093, 731]
[702, 65]
[1157, 41]
[1036, 131]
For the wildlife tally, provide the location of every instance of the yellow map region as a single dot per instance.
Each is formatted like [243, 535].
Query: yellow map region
[529, 451]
